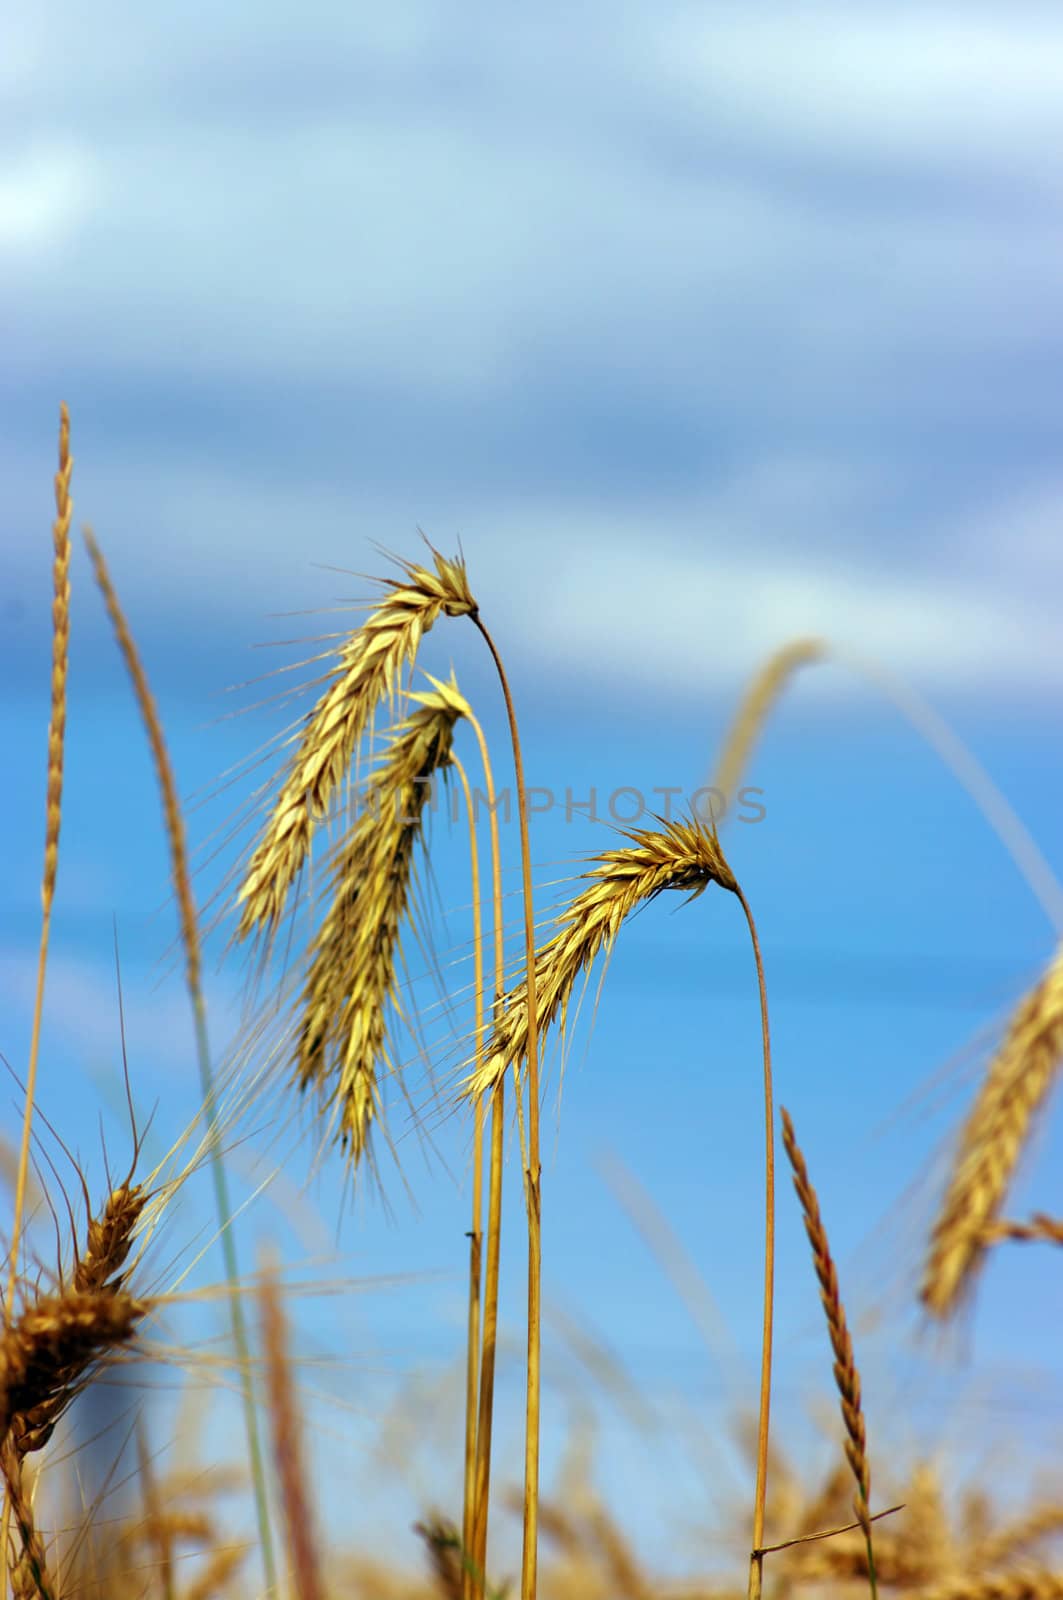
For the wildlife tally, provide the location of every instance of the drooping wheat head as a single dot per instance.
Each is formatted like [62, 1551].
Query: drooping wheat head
[369, 669]
[1016, 1085]
[846, 1375]
[677, 855]
[342, 1040]
[755, 708]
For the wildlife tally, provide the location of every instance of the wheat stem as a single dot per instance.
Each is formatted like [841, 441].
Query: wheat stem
[472, 1361]
[485, 1409]
[760, 1491]
[533, 1170]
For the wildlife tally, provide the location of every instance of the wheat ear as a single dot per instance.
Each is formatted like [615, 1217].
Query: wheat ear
[846, 1375]
[767, 686]
[342, 1039]
[182, 883]
[1016, 1085]
[369, 669]
[53, 805]
[287, 1445]
[49, 1351]
[676, 855]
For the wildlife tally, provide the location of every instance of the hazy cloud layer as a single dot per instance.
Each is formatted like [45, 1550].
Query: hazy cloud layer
[698, 328]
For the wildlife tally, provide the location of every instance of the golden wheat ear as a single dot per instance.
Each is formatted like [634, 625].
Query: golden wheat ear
[676, 855]
[368, 671]
[846, 1374]
[342, 1041]
[1016, 1085]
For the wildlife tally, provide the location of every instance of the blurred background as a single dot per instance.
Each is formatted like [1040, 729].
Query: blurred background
[698, 328]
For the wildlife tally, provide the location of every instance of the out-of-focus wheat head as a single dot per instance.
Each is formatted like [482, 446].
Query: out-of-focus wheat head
[342, 1044]
[1015, 1087]
[369, 670]
[677, 855]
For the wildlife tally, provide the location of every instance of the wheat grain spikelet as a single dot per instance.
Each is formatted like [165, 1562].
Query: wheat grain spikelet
[109, 1240]
[342, 1041]
[47, 1354]
[370, 665]
[1015, 1086]
[846, 1376]
[679, 855]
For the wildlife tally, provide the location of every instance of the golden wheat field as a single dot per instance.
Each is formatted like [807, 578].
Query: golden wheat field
[108, 1493]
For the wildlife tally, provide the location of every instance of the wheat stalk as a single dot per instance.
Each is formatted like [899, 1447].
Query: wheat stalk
[1015, 1086]
[846, 1375]
[369, 669]
[1040, 1227]
[342, 1040]
[679, 855]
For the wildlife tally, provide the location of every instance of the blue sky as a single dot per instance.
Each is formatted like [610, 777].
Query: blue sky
[699, 328]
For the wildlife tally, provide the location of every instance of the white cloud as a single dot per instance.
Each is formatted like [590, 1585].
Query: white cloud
[676, 595]
[930, 82]
[46, 192]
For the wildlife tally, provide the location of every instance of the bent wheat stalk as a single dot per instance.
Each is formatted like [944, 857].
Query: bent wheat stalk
[846, 1375]
[1016, 1085]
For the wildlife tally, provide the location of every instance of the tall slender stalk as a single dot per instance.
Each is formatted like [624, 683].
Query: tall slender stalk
[756, 1564]
[472, 1361]
[175, 833]
[485, 1411]
[533, 1170]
